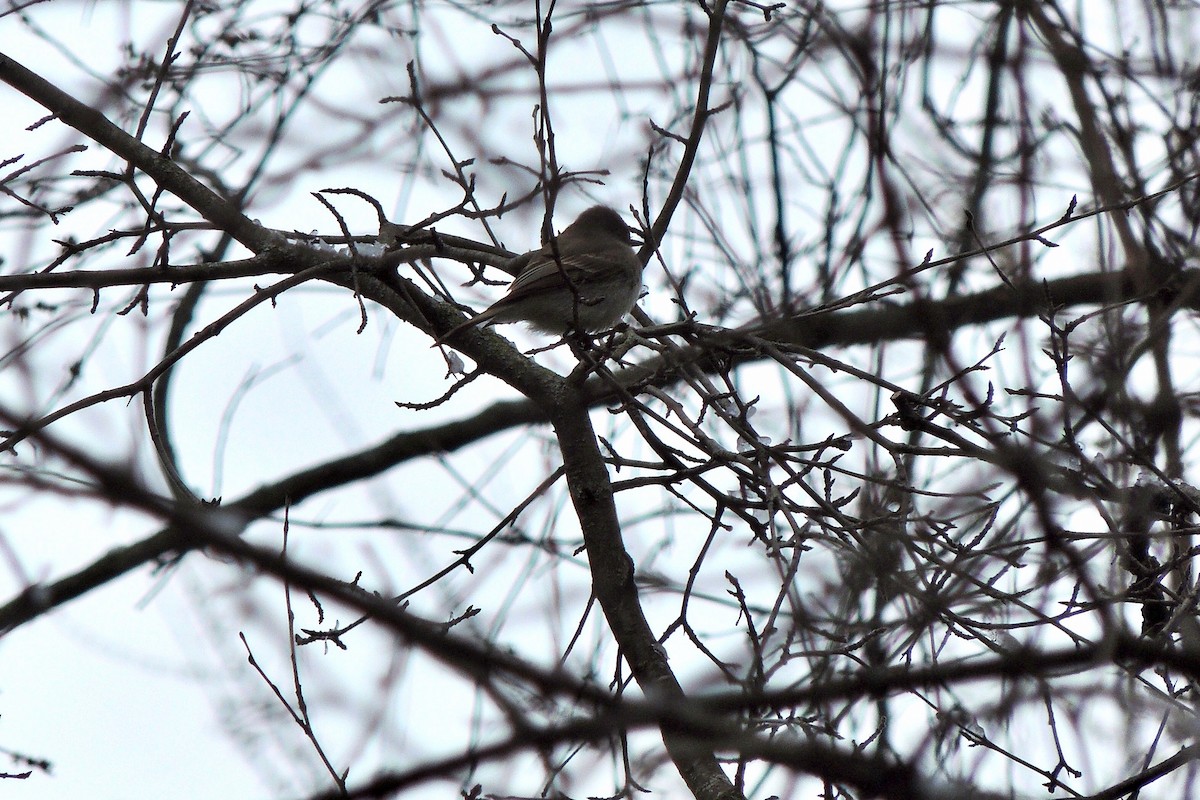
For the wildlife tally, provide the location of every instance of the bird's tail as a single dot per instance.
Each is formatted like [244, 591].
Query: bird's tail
[482, 318]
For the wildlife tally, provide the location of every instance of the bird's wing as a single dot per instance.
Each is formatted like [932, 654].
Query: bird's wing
[542, 272]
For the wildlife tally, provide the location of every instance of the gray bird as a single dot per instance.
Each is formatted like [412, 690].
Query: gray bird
[586, 279]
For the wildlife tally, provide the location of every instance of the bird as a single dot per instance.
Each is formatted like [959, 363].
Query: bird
[585, 280]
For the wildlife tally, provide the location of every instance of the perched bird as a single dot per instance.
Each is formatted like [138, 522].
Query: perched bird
[586, 279]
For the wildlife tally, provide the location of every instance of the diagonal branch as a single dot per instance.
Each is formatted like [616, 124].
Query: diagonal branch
[170, 176]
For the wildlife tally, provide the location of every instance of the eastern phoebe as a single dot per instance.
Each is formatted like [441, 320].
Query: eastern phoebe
[586, 279]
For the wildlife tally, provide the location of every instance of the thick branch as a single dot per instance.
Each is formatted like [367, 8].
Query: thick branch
[612, 582]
